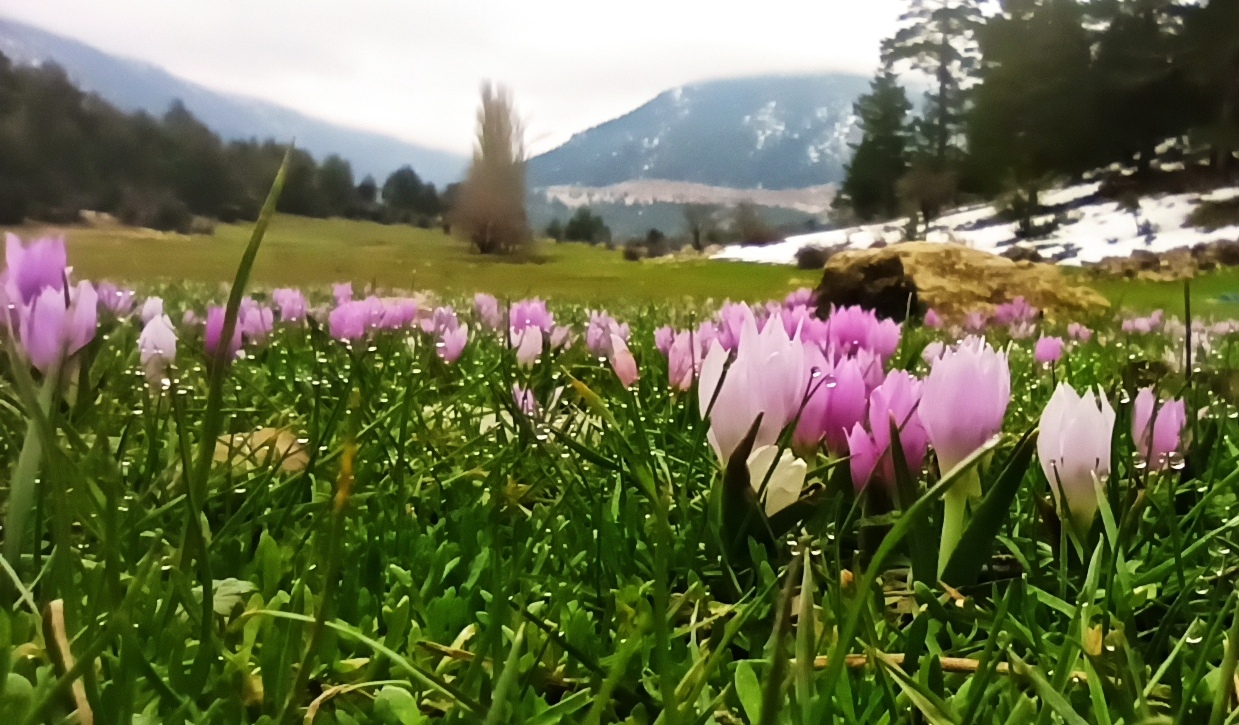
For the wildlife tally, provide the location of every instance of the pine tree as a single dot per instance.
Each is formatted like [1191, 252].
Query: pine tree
[1034, 111]
[880, 159]
[938, 38]
[1141, 95]
[1210, 56]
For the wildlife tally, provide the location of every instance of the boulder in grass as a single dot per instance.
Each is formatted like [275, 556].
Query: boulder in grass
[952, 279]
[879, 283]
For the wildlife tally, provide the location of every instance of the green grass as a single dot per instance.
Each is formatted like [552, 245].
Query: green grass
[314, 252]
[1207, 292]
[302, 251]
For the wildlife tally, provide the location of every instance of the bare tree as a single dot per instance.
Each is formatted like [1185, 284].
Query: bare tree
[489, 208]
[751, 226]
[699, 220]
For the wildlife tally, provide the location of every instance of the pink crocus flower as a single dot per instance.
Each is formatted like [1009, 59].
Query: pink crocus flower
[213, 338]
[487, 309]
[342, 292]
[684, 359]
[256, 321]
[531, 313]
[452, 343]
[622, 361]
[1157, 436]
[964, 400]
[932, 320]
[802, 297]
[114, 299]
[602, 327]
[291, 303]
[838, 398]
[975, 322]
[663, 339]
[1048, 350]
[1074, 448]
[349, 321]
[50, 332]
[1079, 332]
[32, 269]
[897, 400]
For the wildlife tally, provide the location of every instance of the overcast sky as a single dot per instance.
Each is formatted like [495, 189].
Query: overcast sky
[412, 68]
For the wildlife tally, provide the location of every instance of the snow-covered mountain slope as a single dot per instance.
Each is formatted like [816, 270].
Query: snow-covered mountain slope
[1089, 229]
[771, 132]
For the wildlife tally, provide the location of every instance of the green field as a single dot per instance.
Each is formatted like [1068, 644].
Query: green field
[308, 252]
[302, 251]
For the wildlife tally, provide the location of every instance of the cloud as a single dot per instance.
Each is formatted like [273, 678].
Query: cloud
[412, 69]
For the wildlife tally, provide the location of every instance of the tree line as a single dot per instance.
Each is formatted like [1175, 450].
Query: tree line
[1024, 93]
[63, 151]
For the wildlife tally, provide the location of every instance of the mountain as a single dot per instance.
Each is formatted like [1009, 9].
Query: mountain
[770, 132]
[136, 86]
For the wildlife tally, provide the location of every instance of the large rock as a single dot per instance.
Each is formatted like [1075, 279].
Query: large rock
[952, 279]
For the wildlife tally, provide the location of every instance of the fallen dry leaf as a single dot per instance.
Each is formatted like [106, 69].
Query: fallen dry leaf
[257, 448]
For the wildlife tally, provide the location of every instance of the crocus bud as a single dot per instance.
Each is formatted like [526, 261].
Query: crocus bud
[526, 403]
[932, 320]
[622, 361]
[766, 378]
[218, 349]
[683, 360]
[663, 339]
[452, 343]
[151, 308]
[1074, 448]
[1048, 350]
[561, 337]
[783, 478]
[157, 349]
[528, 343]
[342, 292]
[1157, 436]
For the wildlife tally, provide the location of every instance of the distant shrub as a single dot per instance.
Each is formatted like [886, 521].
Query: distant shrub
[56, 214]
[155, 209]
[1212, 215]
[634, 252]
[811, 257]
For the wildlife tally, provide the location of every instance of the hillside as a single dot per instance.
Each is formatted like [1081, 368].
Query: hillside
[135, 86]
[1081, 227]
[771, 132]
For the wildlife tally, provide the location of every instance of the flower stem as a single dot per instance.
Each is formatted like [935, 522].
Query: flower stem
[955, 515]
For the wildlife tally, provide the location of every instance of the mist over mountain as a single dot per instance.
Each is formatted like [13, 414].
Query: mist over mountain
[135, 86]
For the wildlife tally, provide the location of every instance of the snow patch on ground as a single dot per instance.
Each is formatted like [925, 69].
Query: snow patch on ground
[1089, 229]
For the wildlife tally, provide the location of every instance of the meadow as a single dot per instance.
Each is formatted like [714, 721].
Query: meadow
[304, 251]
[312, 505]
